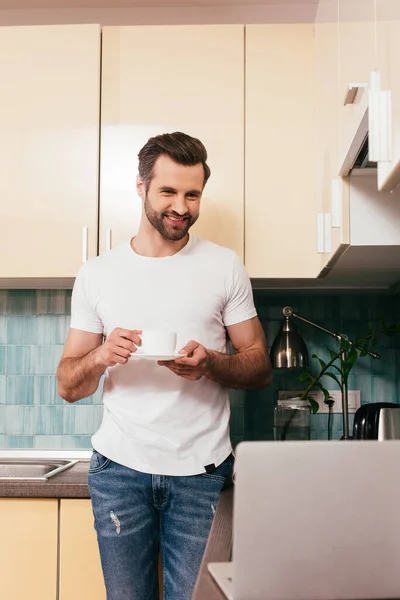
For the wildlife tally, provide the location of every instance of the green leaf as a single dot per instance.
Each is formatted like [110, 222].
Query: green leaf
[333, 354]
[305, 377]
[327, 399]
[348, 364]
[332, 376]
[321, 362]
[345, 345]
[364, 351]
[313, 404]
[374, 341]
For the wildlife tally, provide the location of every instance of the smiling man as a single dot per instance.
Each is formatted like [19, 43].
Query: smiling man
[162, 454]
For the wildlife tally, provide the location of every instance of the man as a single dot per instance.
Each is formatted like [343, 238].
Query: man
[162, 454]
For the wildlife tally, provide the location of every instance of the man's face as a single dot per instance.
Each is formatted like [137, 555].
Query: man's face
[172, 202]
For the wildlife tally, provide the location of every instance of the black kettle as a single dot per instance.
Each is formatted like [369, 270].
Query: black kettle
[366, 420]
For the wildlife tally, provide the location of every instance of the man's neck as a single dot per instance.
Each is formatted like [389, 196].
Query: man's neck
[153, 245]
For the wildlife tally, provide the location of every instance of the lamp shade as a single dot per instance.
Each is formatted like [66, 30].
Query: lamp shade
[288, 350]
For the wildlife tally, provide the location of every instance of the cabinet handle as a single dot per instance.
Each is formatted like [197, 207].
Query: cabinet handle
[84, 244]
[320, 233]
[108, 240]
[335, 203]
[327, 233]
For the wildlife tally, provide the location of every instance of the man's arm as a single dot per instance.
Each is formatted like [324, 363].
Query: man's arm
[85, 359]
[248, 368]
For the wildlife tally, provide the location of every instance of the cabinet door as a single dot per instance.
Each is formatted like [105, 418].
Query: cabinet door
[280, 206]
[329, 187]
[49, 134]
[389, 53]
[164, 79]
[358, 57]
[28, 549]
[80, 568]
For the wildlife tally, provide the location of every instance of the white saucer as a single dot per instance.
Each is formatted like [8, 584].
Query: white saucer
[173, 356]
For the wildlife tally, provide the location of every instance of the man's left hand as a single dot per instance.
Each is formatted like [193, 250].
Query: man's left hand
[193, 365]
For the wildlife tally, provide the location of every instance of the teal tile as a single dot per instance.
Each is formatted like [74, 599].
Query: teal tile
[82, 419]
[2, 441]
[52, 329]
[19, 389]
[49, 420]
[3, 302]
[77, 442]
[49, 442]
[2, 389]
[68, 302]
[45, 359]
[21, 330]
[3, 355]
[45, 390]
[3, 329]
[18, 420]
[19, 441]
[2, 418]
[18, 360]
[21, 302]
[63, 442]
[237, 420]
[52, 302]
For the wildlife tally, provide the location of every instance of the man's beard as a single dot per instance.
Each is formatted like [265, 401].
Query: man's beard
[164, 228]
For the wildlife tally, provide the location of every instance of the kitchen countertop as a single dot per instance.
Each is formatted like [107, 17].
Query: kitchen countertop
[71, 483]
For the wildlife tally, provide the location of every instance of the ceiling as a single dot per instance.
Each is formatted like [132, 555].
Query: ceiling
[71, 4]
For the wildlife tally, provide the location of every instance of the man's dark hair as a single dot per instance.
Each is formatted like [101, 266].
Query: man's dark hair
[180, 147]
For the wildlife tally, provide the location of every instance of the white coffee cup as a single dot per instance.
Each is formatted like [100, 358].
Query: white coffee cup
[158, 342]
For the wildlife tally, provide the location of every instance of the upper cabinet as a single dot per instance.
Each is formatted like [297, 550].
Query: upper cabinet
[357, 58]
[49, 137]
[388, 14]
[280, 199]
[164, 79]
[328, 190]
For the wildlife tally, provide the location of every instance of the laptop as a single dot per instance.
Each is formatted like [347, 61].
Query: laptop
[314, 521]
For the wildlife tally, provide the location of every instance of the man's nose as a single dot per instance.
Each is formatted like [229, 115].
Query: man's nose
[179, 205]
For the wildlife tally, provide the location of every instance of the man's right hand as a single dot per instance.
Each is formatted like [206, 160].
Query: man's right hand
[118, 347]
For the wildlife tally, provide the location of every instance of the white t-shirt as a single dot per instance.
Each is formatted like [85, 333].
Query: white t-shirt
[155, 421]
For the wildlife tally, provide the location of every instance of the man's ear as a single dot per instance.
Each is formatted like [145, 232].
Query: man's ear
[140, 187]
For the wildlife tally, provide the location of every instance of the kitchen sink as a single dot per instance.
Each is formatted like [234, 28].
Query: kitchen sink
[29, 469]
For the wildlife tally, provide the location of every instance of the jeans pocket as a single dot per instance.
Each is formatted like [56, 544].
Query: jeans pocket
[223, 472]
[98, 462]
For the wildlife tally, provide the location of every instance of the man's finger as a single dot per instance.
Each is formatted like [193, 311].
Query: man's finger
[189, 348]
[131, 334]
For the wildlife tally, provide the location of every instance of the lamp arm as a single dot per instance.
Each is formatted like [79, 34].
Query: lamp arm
[288, 312]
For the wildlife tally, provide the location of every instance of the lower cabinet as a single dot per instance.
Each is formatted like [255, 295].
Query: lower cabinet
[80, 574]
[28, 549]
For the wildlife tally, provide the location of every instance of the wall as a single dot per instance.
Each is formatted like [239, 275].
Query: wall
[349, 313]
[34, 324]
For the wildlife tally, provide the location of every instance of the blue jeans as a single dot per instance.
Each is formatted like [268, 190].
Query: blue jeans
[137, 515]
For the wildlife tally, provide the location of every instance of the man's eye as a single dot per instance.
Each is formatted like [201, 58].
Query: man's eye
[167, 193]
[193, 196]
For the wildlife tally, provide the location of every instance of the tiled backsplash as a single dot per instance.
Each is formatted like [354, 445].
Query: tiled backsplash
[34, 325]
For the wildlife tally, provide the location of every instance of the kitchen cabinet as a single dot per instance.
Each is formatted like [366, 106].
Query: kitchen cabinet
[80, 568]
[333, 216]
[280, 198]
[388, 13]
[49, 155]
[163, 79]
[357, 58]
[28, 549]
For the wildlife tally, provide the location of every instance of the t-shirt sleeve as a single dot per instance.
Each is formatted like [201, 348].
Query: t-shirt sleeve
[83, 306]
[240, 303]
